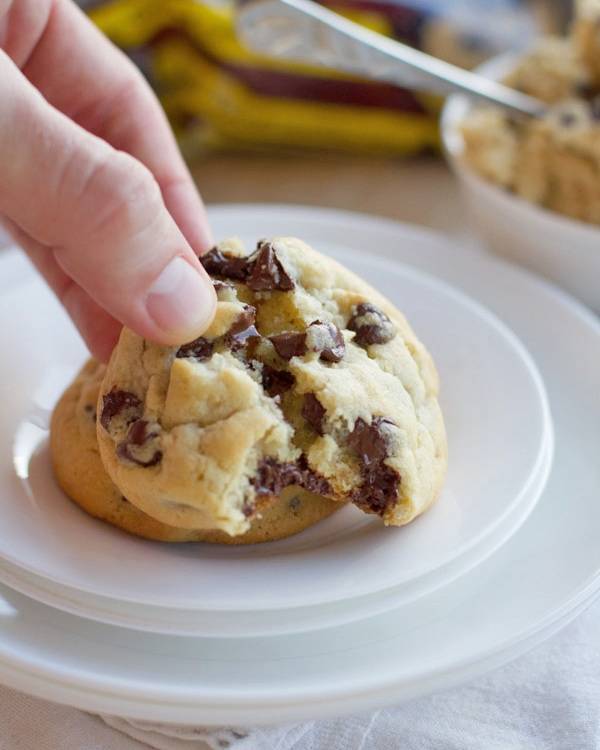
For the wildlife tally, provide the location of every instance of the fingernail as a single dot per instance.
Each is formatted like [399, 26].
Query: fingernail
[181, 301]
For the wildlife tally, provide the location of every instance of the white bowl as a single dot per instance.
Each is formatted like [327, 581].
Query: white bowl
[563, 250]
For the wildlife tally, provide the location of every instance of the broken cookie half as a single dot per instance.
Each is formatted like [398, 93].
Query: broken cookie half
[306, 377]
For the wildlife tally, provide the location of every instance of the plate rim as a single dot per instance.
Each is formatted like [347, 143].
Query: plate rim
[65, 599]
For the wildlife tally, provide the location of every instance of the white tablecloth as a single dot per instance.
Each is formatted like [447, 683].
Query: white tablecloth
[546, 700]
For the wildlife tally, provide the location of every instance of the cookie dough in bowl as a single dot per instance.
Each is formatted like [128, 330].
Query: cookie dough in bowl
[81, 474]
[532, 186]
[552, 161]
[307, 377]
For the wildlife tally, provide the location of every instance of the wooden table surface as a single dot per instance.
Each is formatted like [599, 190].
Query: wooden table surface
[420, 191]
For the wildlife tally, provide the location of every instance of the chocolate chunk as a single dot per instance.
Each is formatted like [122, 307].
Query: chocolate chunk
[262, 271]
[199, 348]
[313, 412]
[273, 476]
[378, 492]
[368, 440]
[218, 263]
[371, 325]
[267, 271]
[289, 344]
[276, 382]
[218, 285]
[379, 488]
[242, 329]
[138, 433]
[327, 339]
[243, 321]
[311, 481]
[135, 446]
[115, 402]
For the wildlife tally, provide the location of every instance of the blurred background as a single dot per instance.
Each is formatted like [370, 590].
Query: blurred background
[258, 129]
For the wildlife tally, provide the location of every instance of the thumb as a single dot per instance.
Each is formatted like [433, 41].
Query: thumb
[101, 213]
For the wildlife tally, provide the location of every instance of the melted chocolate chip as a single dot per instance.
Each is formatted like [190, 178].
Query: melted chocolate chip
[273, 476]
[378, 492]
[242, 329]
[243, 321]
[115, 402]
[267, 272]
[138, 432]
[313, 412]
[313, 482]
[368, 441]
[138, 436]
[276, 382]
[218, 285]
[218, 263]
[199, 348]
[371, 325]
[326, 338]
[379, 488]
[289, 344]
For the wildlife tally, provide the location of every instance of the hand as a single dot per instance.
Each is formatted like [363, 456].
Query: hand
[93, 186]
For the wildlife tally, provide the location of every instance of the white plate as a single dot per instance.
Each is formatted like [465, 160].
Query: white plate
[533, 585]
[226, 624]
[498, 425]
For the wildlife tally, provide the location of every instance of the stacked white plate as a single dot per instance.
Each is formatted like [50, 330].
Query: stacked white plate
[347, 614]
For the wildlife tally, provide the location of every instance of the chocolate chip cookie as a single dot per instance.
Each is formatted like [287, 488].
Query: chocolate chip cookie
[82, 476]
[306, 378]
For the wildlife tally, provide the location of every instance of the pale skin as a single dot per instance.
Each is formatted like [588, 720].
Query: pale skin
[93, 185]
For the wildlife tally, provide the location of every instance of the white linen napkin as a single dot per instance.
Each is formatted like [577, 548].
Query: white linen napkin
[547, 700]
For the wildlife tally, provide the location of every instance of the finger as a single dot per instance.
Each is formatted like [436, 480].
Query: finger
[99, 330]
[102, 213]
[100, 89]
